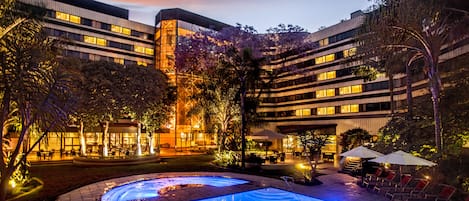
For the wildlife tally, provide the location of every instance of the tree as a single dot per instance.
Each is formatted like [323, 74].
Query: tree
[312, 142]
[421, 29]
[353, 138]
[238, 51]
[142, 90]
[34, 89]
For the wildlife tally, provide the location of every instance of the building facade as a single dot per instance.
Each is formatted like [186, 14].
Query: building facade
[98, 32]
[323, 94]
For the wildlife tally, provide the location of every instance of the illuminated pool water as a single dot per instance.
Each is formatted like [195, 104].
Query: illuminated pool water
[264, 194]
[141, 190]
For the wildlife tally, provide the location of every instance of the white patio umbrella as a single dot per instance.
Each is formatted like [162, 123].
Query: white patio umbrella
[361, 152]
[403, 158]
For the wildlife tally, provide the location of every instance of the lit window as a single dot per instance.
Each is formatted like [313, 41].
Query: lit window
[62, 16]
[149, 51]
[345, 90]
[350, 52]
[139, 49]
[349, 108]
[75, 19]
[141, 63]
[324, 59]
[320, 60]
[330, 57]
[350, 89]
[119, 60]
[115, 28]
[327, 75]
[90, 39]
[326, 110]
[357, 88]
[325, 93]
[330, 92]
[126, 31]
[303, 112]
[101, 42]
[331, 75]
[324, 42]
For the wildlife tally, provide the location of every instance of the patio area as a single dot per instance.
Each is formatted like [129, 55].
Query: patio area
[335, 187]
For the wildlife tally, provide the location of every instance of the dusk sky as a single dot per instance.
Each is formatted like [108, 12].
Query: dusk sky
[261, 14]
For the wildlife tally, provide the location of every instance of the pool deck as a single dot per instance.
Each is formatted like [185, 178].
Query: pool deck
[335, 187]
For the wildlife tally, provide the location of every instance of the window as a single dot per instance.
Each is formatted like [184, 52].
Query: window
[119, 60]
[62, 16]
[349, 108]
[326, 110]
[75, 19]
[357, 88]
[350, 52]
[350, 89]
[320, 60]
[303, 112]
[141, 63]
[330, 57]
[126, 31]
[327, 75]
[324, 59]
[90, 39]
[324, 42]
[325, 93]
[115, 28]
[149, 51]
[101, 42]
[139, 49]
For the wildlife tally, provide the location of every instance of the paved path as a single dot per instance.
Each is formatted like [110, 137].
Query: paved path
[335, 187]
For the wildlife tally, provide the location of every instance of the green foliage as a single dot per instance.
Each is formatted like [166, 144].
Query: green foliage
[400, 134]
[367, 73]
[227, 159]
[353, 138]
[312, 141]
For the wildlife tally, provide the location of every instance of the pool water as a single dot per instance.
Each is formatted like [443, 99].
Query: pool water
[147, 189]
[264, 194]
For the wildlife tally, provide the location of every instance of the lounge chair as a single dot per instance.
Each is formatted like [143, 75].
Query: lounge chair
[394, 187]
[387, 181]
[445, 193]
[419, 188]
[373, 177]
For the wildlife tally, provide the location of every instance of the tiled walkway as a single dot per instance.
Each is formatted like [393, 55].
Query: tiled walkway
[335, 187]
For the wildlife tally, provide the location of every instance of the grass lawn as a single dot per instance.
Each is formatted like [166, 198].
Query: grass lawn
[60, 179]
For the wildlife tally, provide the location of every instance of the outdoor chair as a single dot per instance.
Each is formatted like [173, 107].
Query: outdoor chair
[419, 188]
[394, 187]
[386, 181]
[373, 177]
[444, 194]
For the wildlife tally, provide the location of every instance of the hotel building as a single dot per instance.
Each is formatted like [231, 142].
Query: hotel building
[323, 94]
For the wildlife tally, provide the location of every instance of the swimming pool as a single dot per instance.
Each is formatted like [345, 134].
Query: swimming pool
[264, 194]
[147, 189]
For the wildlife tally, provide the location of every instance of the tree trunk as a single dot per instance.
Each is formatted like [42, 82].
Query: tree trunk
[139, 145]
[435, 91]
[409, 93]
[4, 186]
[82, 139]
[391, 92]
[150, 143]
[105, 139]
[243, 123]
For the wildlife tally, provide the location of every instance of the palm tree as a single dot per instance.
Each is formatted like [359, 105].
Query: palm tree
[421, 29]
[33, 84]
